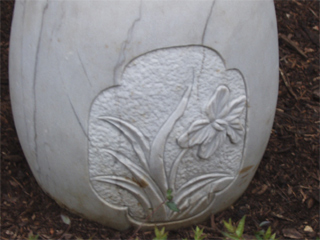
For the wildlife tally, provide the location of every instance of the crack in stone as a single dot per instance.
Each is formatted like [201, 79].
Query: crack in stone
[22, 75]
[77, 117]
[84, 69]
[58, 26]
[122, 55]
[202, 41]
[207, 21]
[34, 87]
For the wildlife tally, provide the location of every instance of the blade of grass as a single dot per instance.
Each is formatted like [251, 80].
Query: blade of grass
[240, 227]
[160, 234]
[230, 236]
[229, 226]
[268, 233]
[273, 236]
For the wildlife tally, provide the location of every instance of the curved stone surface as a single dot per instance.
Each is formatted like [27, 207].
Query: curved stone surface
[119, 104]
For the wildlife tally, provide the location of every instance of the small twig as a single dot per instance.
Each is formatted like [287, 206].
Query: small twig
[281, 216]
[284, 150]
[213, 224]
[292, 44]
[65, 231]
[295, 1]
[298, 120]
[313, 37]
[205, 227]
[313, 13]
[20, 186]
[287, 84]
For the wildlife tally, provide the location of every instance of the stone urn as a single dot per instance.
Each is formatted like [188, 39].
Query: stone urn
[144, 113]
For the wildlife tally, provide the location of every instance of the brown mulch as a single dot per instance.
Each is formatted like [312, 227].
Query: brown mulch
[284, 191]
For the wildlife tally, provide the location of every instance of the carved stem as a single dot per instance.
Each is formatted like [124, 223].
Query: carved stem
[156, 161]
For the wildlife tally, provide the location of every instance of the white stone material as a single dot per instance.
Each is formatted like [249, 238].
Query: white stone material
[117, 102]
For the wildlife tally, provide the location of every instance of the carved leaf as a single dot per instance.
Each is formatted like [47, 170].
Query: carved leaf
[138, 141]
[190, 198]
[156, 161]
[200, 204]
[149, 186]
[128, 185]
[189, 208]
[196, 184]
[174, 170]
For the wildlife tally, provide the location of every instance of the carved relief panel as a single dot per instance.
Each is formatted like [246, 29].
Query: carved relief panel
[177, 122]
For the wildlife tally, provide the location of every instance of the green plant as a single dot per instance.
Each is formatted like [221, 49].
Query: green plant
[234, 232]
[198, 234]
[160, 234]
[33, 237]
[265, 235]
[170, 204]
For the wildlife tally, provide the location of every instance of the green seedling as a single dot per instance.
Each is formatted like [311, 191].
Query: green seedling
[160, 234]
[163, 235]
[265, 235]
[198, 234]
[234, 232]
[33, 237]
[170, 204]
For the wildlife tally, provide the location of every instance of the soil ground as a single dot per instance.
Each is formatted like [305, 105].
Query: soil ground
[284, 191]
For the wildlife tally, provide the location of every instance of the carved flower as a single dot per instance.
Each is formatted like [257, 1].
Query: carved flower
[223, 121]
